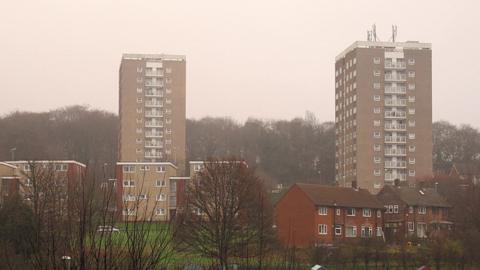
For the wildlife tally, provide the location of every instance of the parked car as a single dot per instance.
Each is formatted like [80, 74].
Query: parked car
[110, 229]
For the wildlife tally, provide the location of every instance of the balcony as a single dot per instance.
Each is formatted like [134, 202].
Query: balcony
[395, 90]
[398, 127]
[395, 114]
[153, 155]
[153, 144]
[151, 73]
[153, 124]
[397, 65]
[397, 102]
[151, 134]
[153, 114]
[395, 164]
[154, 83]
[395, 152]
[392, 177]
[398, 139]
[395, 77]
[153, 103]
[154, 94]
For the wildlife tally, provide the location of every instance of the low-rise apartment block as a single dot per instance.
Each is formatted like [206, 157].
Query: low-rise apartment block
[311, 214]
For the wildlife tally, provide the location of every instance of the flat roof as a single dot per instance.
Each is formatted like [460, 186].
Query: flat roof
[46, 161]
[147, 163]
[379, 44]
[161, 56]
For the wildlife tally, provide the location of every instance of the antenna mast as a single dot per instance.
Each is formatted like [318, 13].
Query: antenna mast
[394, 33]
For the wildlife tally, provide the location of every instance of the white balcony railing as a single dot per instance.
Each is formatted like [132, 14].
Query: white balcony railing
[153, 124]
[154, 83]
[397, 65]
[395, 114]
[395, 152]
[395, 90]
[395, 164]
[396, 77]
[153, 154]
[392, 177]
[389, 126]
[151, 73]
[397, 102]
[152, 103]
[154, 94]
[151, 144]
[398, 139]
[151, 134]
[153, 114]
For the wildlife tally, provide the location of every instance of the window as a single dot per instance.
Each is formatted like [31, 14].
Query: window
[411, 172]
[168, 91]
[376, 172]
[128, 183]
[411, 136]
[376, 73]
[411, 74]
[411, 160]
[160, 183]
[376, 98]
[350, 231]
[138, 140]
[138, 150]
[337, 211]
[376, 110]
[142, 197]
[411, 111]
[377, 159]
[376, 134]
[128, 168]
[139, 90]
[354, 60]
[411, 148]
[168, 70]
[422, 230]
[411, 98]
[422, 210]
[160, 212]
[379, 214]
[411, 86]
[395, 209]
[129, 198]
[139, 69]
[139, 80]
[367, 212]
[351, 212]
[376, 60]
[160, 197]
[376, 85]
[161, 168]
[411, 123]
[379, 231]
[366, 231]
[139, 130]
[338, 230]
[322, 228]
[411, 61]
[139, 110]
[322, 211]
[389, 208]
[61, 167]
[410, 209]
[129, 212]
[144, 168]
[376, 147]
[139, 100]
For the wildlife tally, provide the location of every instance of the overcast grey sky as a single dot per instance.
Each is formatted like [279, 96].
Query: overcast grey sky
[266, 59]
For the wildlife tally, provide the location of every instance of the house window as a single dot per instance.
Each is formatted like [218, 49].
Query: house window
[379, 214]
[411, 61]
[376, 73]
[411, 226]
[129, 198]
[411, 136]
[410, 209]
[142, 197]
[160, 212]
[376, 123]
[139, 90]
[411, 172]
[366, 231]
[322, 211]
[379, 231]
[128, 183]
[411, 123]
[411, 160]
[395, 209]
[376, 172]
[168, 70]
[351, 212]
[411, 86]
[139, 100]
[376, 85]
[129, 212]
[389, 208]
[377, 159]
[376, 134]
[376, 110]
[350, 231]
[376, 147]
[376, 98]
[411, 74]
[337, 211]
[61, 167]
[422, 210]
[411, 148]
[144, 168]
[411, 111]
[411, 98]
[160, 183]
[160, 197]
[160, 168]
[128, 168]
[421, 230]
[338, 230]
[367, 212]
[322, 228]
[376, 60]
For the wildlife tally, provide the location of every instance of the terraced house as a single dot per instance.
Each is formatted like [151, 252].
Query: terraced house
[310, 214]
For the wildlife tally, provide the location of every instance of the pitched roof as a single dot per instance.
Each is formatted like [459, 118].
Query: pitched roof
[339, 196]
[422, 197]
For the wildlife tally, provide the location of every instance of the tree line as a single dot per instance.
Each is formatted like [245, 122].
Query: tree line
[282, 151]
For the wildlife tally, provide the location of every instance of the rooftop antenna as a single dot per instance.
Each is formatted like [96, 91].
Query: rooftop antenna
[374, 32]
[394, 33]
[369, 35]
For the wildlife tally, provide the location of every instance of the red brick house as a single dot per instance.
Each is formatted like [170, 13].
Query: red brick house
[413, 212]
[311, 214]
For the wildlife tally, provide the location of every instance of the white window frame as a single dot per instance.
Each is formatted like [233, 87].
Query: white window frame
[353, 212]
[411, 226]
[160, 211]
[338, 230]
[376, 60]
[354, 231]
[422, 210]
[160, 197]
[322, 229]
[322, 211]
[337, 212]
[367, 212]
[395, 209]
[160, 183]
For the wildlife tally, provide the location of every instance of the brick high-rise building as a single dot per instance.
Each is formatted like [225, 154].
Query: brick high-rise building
[383, 113]
[152, 109]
